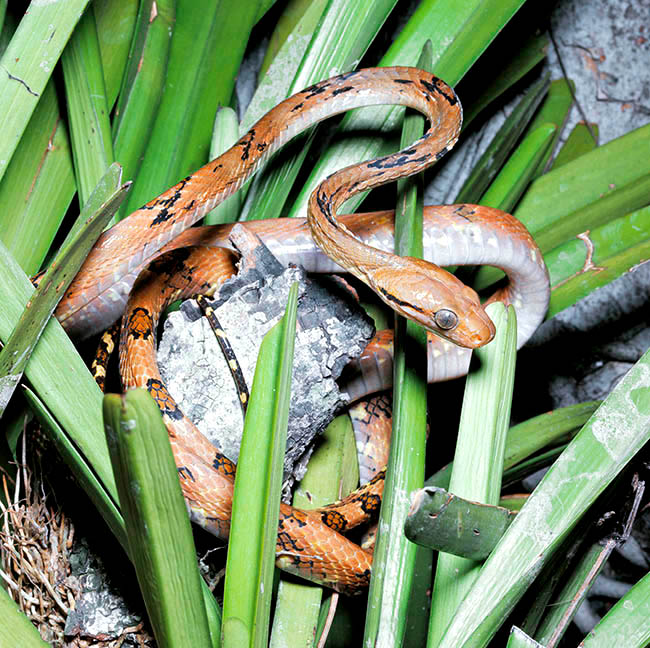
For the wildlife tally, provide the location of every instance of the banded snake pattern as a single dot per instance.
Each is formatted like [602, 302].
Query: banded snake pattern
[157, 246]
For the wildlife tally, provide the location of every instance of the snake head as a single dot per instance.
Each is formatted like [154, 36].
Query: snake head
[437, 300]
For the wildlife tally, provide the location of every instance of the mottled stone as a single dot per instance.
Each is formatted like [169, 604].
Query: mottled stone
[331, 330]
[100, 612]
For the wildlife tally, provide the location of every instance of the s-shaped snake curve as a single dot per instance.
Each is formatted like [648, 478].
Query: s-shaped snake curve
[361, 244]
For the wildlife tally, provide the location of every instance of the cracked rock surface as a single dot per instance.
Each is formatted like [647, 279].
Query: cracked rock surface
[331, 330]
[100, 613]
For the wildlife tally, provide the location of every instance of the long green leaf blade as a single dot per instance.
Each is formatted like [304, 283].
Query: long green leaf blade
[154, 511]
[582, 181]
[143, 84]
[289, 69]
[394, 556]
[554, 110]
[573, 592]
[115, 21]
[39, 183]
[576, 185]
[100, 208]
[615, 203]
[517, 172]
[579, 142]
[27, 64]
[38, 186]
[478, 461]
[90, 127]
[256, 502]
[332, 473]
[531, 436]
[74, 383]
[547, 429]
[287, 28]
[205, 53]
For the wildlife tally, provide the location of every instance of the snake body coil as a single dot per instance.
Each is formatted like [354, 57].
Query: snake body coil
[358, 244]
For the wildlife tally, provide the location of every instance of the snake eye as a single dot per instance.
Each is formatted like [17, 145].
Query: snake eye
[446, 319]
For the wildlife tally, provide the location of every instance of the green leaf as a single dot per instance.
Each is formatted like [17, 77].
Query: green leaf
[615, 203]
[143, 83]
[274, 84]
[205, 53]
[510, 184]
[39, 183]
[290, 23]
[445, 522]
[115, 21]
[394, 556]
[519, 639]
[529, 437]
[100, 208]
[478, 461]
[553, 197]
[579, 142]
[332, 473]
[554, 110]
[154, 511]
[583, 181]
[90, 128]
[544, 430]
[256, 501]
[595, 258]
[73, 398]
[568, 598]
[27, 64]
[38, 186]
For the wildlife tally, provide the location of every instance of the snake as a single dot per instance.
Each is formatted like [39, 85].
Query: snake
[154, 256]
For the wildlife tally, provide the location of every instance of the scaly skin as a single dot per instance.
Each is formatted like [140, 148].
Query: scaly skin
[415, 288]
[309, 549]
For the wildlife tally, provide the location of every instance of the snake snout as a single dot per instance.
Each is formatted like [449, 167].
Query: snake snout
[479, 330]
[477, 327]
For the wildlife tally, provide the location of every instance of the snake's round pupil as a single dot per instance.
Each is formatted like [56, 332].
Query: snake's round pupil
[446, 319]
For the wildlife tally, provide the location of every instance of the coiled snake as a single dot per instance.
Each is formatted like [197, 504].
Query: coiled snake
[454, 235]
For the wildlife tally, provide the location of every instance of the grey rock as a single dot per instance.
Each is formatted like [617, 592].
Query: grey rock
[100, 611]
[331, 330]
